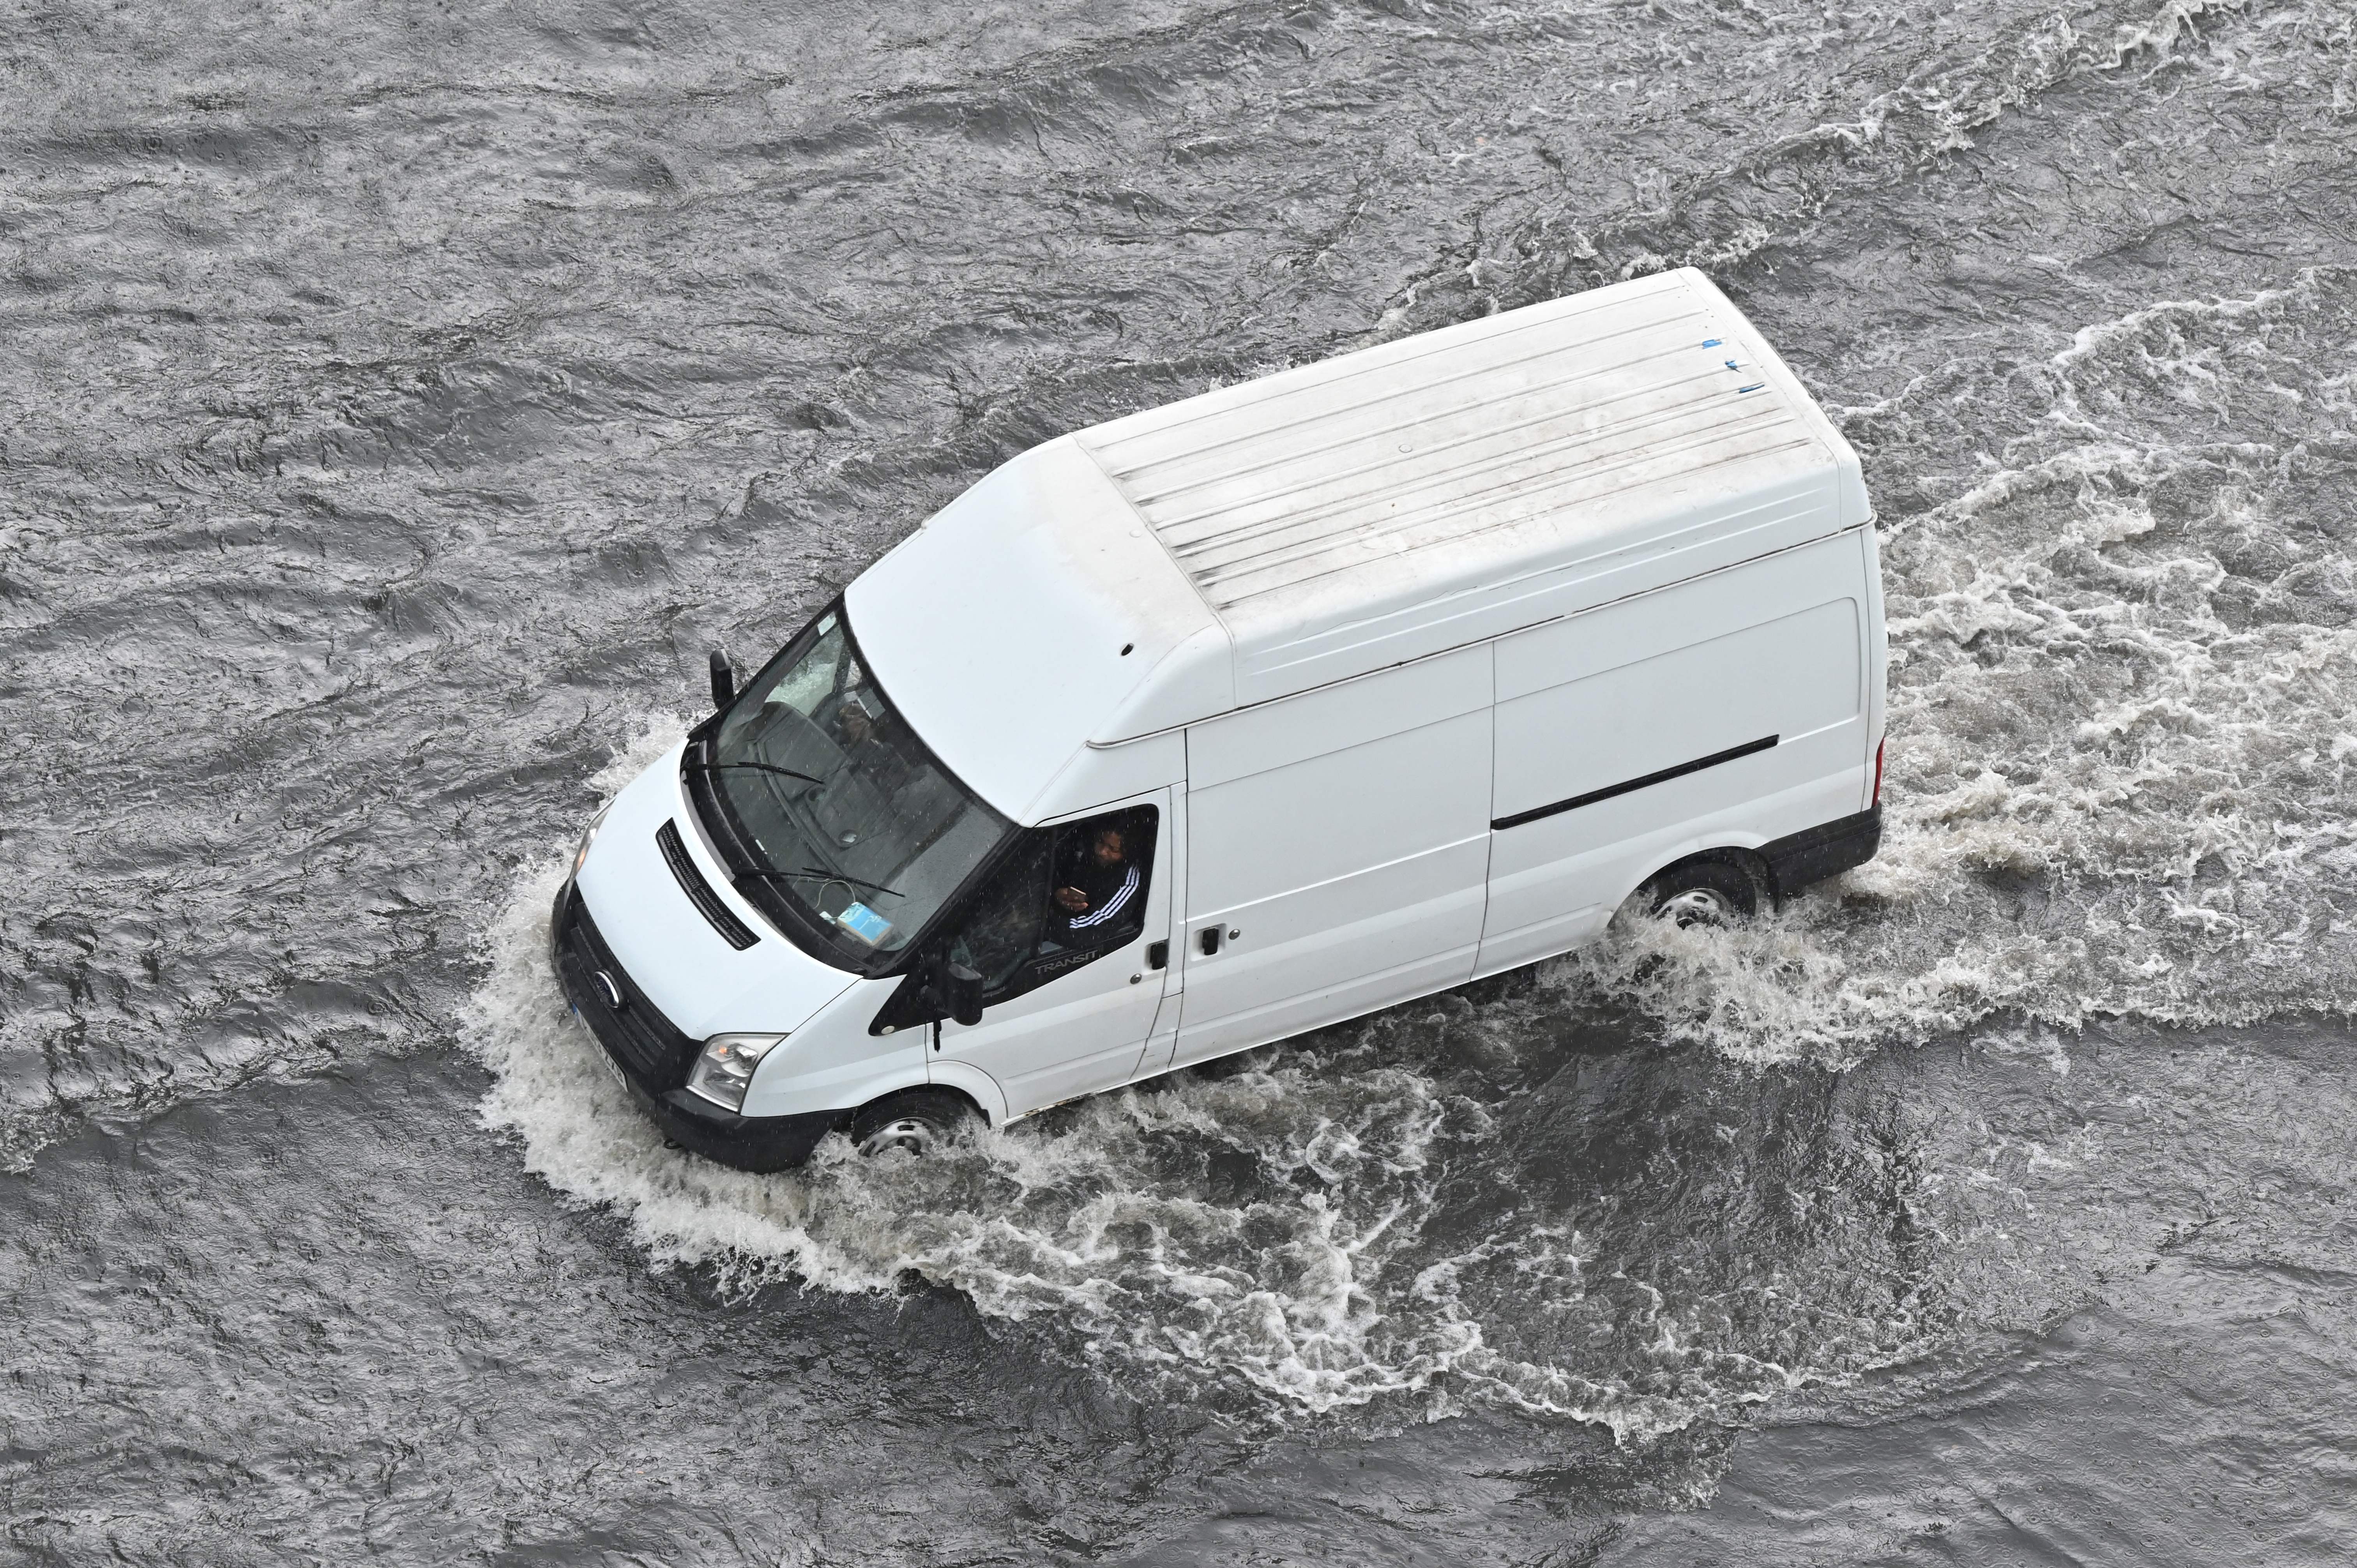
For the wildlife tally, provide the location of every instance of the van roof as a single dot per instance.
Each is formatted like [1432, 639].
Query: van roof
[1349, 515]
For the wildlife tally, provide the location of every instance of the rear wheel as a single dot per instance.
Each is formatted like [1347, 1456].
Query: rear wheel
[1702, 893]
[915, 1121]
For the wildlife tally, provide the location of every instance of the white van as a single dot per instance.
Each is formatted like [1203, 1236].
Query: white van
[1232, 719]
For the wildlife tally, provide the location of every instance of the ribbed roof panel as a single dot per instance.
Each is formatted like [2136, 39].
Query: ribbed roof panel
[1453, 455]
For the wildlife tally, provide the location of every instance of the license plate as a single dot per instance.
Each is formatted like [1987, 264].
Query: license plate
[613, 1068]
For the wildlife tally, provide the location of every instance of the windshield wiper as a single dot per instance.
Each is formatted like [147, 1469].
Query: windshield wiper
[756, 768]
[811, 871]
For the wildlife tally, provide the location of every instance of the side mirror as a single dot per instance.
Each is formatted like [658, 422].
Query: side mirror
[724, 681]
[958, 989]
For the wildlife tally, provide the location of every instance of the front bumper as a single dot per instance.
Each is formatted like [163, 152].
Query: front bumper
[653, 1056]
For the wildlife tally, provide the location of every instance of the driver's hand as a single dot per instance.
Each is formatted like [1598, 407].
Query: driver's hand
[1072, 898]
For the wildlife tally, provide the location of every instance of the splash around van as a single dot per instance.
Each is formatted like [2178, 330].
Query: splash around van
[1239, 717]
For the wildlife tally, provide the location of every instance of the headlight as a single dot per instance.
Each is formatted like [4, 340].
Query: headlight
[589, 836]
[726, 1066]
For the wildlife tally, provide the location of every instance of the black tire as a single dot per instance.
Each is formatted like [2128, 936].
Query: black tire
[1702, 893]
[914, 1120]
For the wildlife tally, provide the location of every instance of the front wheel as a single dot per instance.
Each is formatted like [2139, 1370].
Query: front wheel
[915, 1121]
[1702, 893]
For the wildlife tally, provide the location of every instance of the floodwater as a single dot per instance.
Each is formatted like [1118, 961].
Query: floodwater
[396, 403]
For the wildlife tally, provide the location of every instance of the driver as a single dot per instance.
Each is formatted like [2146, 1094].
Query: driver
[1099, 887]
[864, 745]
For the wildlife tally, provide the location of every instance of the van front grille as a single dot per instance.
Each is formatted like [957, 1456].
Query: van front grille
[643, 1042]
[733, 931]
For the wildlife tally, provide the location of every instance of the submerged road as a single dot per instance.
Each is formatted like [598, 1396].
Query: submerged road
[397, 403]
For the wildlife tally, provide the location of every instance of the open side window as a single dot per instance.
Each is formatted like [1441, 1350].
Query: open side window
[1061, 897]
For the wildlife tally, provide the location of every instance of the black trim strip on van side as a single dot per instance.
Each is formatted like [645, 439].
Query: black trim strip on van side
[1650, 779]
[733, 931]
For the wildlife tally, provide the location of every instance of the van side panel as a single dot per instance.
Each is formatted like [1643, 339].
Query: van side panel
[1344, 836]
[1786, 682]
[1757, 673]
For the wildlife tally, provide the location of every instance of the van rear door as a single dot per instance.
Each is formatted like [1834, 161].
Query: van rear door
[1338, 844]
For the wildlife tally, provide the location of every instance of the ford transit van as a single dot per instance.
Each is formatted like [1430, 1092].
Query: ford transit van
[1231, 719]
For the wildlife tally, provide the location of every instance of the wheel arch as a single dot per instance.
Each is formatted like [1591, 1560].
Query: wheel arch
[977, 1086]
[1741, 851]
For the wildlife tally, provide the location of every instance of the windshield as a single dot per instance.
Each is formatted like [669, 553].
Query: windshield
[846, 814]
